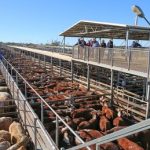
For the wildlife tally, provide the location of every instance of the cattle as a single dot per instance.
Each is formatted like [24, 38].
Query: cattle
[18, 138]
[5, 123]
[3, 89]
[5, 135]
[115, 129]
[107, 111]
[91, 124]
[127, 144]
[82, 112]
[87, 135]
[4, 145]
[118, 121]
[104, 124]
[4, 96]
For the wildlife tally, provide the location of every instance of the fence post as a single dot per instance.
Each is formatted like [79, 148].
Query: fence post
[72, 71]
[57, 134]
[24, 107]
[35, 134]
[42, 112]
[25, 90]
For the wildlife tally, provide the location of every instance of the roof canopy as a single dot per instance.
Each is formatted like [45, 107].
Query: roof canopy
[106, 30]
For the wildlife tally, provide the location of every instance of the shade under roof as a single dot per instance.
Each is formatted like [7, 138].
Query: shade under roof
[106, 30]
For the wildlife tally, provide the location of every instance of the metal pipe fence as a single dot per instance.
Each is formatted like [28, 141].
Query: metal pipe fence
[131, 59]
[8, 76]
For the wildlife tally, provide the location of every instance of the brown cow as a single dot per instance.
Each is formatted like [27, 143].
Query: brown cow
[118, 121]
[107, 111]
[91, 124]
[127, 144]
[5, 123]
[5, 135]
[104, 124]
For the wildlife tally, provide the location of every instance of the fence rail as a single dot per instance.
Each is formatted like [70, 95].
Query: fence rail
[131, 59]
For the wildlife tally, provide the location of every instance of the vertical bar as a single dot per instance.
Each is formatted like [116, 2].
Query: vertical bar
[112, 76]
[88, 77]
[97, 146]
[44, 63]
[99, 55]
[78, 51]
[16, 78]
[11, 70]
[112, 56]
[72, 70]
[57, 134]
[35, 134]
[64, 45]
[42, 112]
[147, 111]
[13, 90]
[88, 53]
[25, 90]
[52, 64]
[129, 59]
[84, 52]
[60, 67]
[148, 79]
[73, 52]
[24, 111]
[18, 100]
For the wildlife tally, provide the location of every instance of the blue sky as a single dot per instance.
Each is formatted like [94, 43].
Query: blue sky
[41, 21]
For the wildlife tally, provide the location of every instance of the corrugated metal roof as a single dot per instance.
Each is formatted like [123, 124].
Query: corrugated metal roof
[106, 30]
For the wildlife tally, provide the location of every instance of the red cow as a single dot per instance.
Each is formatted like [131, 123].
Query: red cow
[127, 144]
[104, 124]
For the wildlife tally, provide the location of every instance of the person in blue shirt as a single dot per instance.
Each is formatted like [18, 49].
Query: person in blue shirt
[95, 43]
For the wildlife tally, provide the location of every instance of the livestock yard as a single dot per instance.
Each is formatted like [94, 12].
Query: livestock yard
[74, 98]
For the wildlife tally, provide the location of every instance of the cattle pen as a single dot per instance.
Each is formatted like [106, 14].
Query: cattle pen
[52, 84]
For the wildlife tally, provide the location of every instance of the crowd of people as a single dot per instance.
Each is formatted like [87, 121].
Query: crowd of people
[94, 43]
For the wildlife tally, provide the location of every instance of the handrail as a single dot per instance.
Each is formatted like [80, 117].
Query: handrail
[144, 125]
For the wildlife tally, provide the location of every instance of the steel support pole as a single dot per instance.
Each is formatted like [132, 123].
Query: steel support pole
[24, 107]
[57, 134]
[88, 77]
[44, 62]
[127, 50]
[112, 92]
[52, 64]
[60, 67]
[42, 112]
[25, 90]
[148, 77]
[64, 44]
[72, 70]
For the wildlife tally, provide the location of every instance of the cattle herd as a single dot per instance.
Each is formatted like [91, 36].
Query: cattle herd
[12, 135]
[88, 113]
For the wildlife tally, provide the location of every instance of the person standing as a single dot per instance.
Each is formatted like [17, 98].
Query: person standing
[109, 46]
[102, 50]
[95, 43]
[103, 44]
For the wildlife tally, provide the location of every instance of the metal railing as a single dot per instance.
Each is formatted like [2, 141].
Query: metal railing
[131, 59]
[144, 125]
[5, 65]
